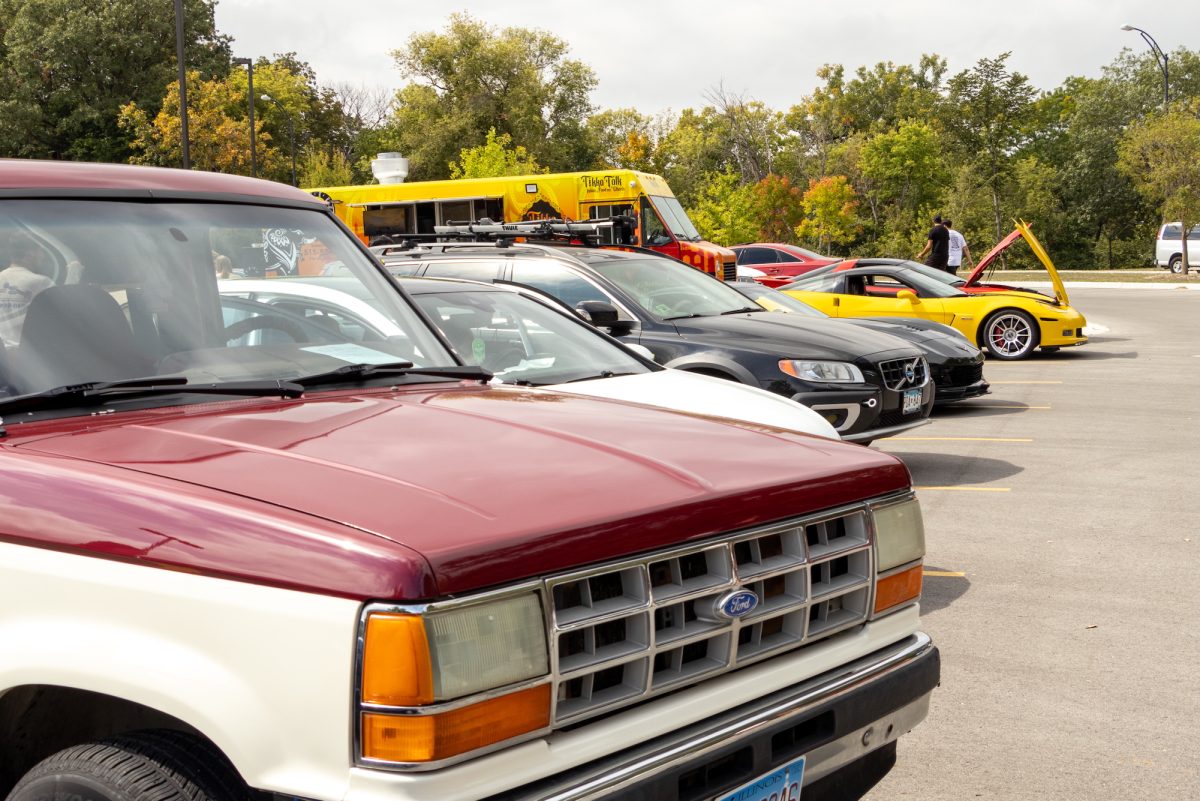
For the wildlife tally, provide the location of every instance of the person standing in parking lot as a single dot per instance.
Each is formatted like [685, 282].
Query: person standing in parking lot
[936, 245]
[957, 249]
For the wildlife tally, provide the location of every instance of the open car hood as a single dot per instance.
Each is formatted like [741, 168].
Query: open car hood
[1022, 230]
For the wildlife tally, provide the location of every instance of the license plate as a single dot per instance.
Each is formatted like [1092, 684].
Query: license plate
[781, 784]
[912, 401]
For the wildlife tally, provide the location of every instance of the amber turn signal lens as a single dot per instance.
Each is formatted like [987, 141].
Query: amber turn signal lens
[898, 588]
[426, 738]
[397, 670]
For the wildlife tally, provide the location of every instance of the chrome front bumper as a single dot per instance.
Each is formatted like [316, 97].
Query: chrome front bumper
[854, 710]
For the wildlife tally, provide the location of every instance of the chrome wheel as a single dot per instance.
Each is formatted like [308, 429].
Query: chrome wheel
[1010, 335]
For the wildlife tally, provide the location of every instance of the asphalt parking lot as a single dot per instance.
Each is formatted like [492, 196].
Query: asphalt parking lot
[1063, 568]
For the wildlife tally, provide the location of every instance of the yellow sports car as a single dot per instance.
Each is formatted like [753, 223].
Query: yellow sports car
[1009, 323]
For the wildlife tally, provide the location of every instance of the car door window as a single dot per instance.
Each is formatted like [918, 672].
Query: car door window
[784, 256]
[485, 270]
[406, 267]
[751, 256]
[560, 281]
[654, 230]
[884, 286]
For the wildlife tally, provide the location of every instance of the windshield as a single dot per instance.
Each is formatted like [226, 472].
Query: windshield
[676, 218]
[774, 300]
[671, 290]
[521, 340]
[804, 252]
[934, 273]
[112, 290]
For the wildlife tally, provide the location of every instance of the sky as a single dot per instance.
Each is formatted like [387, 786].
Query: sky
[661, 55]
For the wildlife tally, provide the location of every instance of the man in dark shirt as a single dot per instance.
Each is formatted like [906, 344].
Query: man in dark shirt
[937, 245]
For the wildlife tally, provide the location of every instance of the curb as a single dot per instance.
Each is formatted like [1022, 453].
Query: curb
[1112, 285]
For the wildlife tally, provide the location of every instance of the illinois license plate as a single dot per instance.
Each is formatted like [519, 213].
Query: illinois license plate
[912, 401]
[781, 784]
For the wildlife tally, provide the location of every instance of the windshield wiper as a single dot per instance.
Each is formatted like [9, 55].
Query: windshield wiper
[685, 316]
[744, 310]
[601, 374]
[359, 372]
[100, 391]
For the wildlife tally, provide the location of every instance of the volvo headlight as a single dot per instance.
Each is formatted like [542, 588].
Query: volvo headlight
[824, 372]
[438, 683]
[899, 542]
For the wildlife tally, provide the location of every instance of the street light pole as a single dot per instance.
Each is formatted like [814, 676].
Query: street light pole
[248, 63]
[183, 108]
[291, 133]
[1160, 57]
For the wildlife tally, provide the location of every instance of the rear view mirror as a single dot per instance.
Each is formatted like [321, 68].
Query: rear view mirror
[907, 294]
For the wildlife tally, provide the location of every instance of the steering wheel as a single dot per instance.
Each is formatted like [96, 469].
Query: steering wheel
[677, 300]
[264, 322]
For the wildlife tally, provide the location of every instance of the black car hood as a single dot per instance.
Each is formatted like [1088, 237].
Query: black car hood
[939, 343]
[795, 337]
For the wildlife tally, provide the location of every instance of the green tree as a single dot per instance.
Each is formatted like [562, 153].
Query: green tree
[1161, 155]
[494, 158]
[625, 138]
[904, 166]
[830, 212]
[67, 68]
[985, 116]
[727, 211]
[473, 78]
[780, 207]
[691, 153]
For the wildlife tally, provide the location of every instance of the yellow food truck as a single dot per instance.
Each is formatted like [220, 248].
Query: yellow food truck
[394, 210]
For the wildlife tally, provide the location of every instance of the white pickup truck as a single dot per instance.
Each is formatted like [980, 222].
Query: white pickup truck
[355, 571]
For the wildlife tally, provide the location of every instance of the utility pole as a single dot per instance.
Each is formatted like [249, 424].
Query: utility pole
[183, 107]
[248, 63]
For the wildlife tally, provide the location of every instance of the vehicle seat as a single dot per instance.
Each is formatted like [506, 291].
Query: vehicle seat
[460, 334]
[74, 334]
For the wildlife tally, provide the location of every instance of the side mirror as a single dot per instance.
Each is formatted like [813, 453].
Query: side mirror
[597, 312]
[603, 314]
[907, 294]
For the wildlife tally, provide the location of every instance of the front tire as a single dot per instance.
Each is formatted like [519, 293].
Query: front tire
[157, 765]
[1010, 334]
[1175, 265]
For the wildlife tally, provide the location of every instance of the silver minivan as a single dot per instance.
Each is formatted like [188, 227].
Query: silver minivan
[1168, 247]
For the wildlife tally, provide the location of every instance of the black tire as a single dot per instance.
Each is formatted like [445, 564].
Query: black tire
[158, 765]
[1175, 265]
[1010, 334]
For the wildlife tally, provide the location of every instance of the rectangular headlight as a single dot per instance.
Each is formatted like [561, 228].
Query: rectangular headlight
[439, 683]
[899, 534]
[484, 646]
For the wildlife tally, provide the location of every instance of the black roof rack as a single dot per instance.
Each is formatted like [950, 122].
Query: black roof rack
[586, 232]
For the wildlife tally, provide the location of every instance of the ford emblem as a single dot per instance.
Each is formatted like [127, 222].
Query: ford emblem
[738, 603]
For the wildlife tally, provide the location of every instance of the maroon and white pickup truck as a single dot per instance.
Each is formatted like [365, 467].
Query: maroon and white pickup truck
[268, 556]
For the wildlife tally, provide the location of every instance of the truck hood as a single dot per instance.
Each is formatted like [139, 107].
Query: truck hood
[490, 486]
[794, 337]
[1023, 230]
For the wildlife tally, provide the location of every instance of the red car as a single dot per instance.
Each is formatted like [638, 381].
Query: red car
[779, 262]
